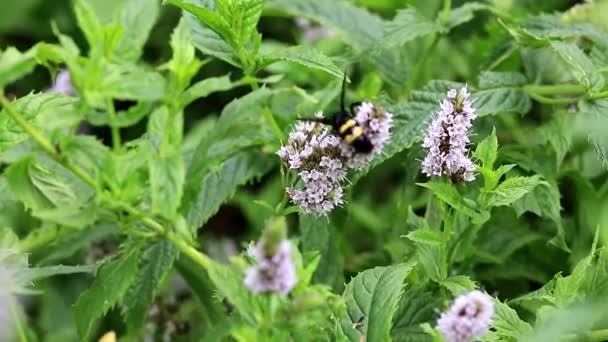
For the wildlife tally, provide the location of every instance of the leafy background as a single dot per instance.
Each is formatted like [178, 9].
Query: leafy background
[530, 231]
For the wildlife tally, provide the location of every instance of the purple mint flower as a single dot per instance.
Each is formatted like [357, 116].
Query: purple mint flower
[469, 317]
[377, 124]
[63, 84]
[271, 273]
[447, 138]
[315, 154]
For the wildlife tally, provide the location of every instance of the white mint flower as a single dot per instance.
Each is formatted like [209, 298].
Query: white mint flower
[469, 317]
[447, 138]
[271, 273]
[315, 154]
[377, 124]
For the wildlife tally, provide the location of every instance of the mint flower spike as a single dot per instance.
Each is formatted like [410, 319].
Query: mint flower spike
[63, 84]
[377, 124]
[274, 270]
[447, 138]
[469, 317]
[315, 154]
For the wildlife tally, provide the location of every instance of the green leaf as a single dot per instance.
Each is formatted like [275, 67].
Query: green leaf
[89, 23]
[111, 282]
[206, 192]
[211, 19]
[155, 262]
[209, 42]
[507, 326]
[318, 234]
[207, 86]
[37, 273]
[372, 298]
[43, 111]
[184, 64]
[417, 305]
[425, 236]
[500, 92]
[303, 55]
[487, 150]
[167, 176]
[459, 284]
[137, 17]
[581, 66]
[242, 16]
[448, 194]
[129, 82]
[594, 117]
[512, 189]
[406, 26]
[464, 13]
[15, 64]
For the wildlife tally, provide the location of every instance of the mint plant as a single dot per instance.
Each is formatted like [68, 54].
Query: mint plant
[178, 175]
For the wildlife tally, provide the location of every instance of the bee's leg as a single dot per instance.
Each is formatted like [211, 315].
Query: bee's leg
[353, 106]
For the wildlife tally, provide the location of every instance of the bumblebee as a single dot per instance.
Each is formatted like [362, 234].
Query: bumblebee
[345, 125]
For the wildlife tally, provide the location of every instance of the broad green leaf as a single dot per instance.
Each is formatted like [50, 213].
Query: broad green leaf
[406, 26]
[43, 111]
[487, 150]
[512, 189]
[459, 284]
[318, 234]
[89, 23]
[206, 192]
[595, 117]
[128, 82]
[242, 16]
[372, 298]
[155, 262]
[306, 56]
[464, 13]
[581, 66]
[167, 176]
[358, 27]
[15, 64]
[448, 194]
[500, 92]
[210, 19]
[137, 17]
[209, 42]
[425, 236]
[207, 86]
[417, 305]
[110, 284]
[506, 324]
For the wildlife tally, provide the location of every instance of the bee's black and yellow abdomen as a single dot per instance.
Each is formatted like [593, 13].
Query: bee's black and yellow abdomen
[353, 134]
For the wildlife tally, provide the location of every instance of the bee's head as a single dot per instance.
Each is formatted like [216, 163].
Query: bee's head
[363, 145]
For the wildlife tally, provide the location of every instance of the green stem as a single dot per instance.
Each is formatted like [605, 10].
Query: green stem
[417, 71]
[555, 89]
[598, 335]
[38, 238]
[41, 140]
[447, 6]
[116, 141]
[447, 231]
[267, 114]
[598, 95]
[196, 256]
[549, 100]
[17, 319]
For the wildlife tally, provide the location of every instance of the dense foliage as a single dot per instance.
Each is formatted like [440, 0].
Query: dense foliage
[164, 187]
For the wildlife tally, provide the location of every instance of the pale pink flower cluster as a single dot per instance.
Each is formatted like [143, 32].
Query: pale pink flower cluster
[377, 124]
[469, 317]
[271, 273]
[322, 159]
[447, 138]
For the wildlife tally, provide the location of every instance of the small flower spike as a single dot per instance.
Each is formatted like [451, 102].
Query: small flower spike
[63, 84]
[315, 154]
[274, 270]
[469, 317]
[377, 124]
[447, 138]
